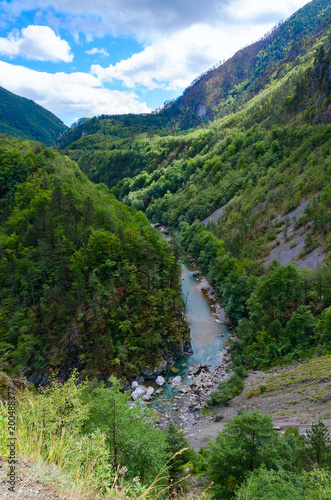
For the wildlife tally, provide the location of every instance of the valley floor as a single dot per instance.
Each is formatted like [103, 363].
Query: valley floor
[293, 396]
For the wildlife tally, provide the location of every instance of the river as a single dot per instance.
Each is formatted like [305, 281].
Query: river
[208, 334]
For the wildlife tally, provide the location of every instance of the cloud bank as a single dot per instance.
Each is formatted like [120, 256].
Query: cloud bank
[36, 42]
[79, 94]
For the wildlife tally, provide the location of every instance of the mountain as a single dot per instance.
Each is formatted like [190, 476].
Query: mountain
[110, 148]
[85, 281]
[21, 117]
[247, 193]
[227, 88]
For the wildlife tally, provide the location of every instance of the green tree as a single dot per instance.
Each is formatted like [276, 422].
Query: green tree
[246, 442]
[178, 450]
[272, 485]
[319, 444]
[129, 429]
[300, 329]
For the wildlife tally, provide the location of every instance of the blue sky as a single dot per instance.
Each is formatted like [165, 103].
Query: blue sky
[82, 58]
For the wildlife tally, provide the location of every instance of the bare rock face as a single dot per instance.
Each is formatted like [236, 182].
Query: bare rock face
[156, 370]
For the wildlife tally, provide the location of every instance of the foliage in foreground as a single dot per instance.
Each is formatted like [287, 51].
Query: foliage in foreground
[275, 485]
[93, 435]
[250, 453]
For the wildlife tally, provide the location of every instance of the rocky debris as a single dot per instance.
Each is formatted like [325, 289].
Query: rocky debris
[196, 274]
[203, 385]
[139, 391]
[160, 380]
[197, 368]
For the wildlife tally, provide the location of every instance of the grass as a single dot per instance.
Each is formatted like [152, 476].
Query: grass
[59, 454]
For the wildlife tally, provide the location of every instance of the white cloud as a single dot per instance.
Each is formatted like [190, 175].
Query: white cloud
[36, 42]
[94, 51]
[148, 19]
[76, 93]
[141, 18]
[173, 63]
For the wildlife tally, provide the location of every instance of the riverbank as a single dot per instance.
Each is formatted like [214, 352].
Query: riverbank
[298, 395]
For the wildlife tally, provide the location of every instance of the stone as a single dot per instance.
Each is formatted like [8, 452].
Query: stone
[156, 370]
[149, 391]
[134, 384]
[146, 397]
[139, 391]
[160, 380]
[176, 380]
[218, 418]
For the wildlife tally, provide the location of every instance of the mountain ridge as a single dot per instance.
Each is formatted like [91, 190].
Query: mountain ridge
[21, 117]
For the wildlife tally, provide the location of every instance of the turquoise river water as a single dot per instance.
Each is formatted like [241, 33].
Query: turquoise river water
[207, 336]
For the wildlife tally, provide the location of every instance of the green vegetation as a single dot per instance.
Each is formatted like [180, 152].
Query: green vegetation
[266, 153]
[250, 460]
[20, 117]
[99, 443]
[86, 282]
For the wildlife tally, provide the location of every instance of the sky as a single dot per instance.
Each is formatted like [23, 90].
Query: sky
[83, 58]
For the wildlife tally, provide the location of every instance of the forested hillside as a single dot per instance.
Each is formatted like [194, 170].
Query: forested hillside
[266, 155]
[20, 117]
[86, 282]
[239, 170]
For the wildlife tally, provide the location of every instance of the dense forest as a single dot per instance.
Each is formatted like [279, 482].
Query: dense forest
[86, 282]
[21, 117]
[256, 164]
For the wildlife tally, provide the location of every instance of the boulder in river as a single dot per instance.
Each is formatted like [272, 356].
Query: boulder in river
[149, 391]
[160, 380]
[139, 391]
[134, 384]
[176, 381]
